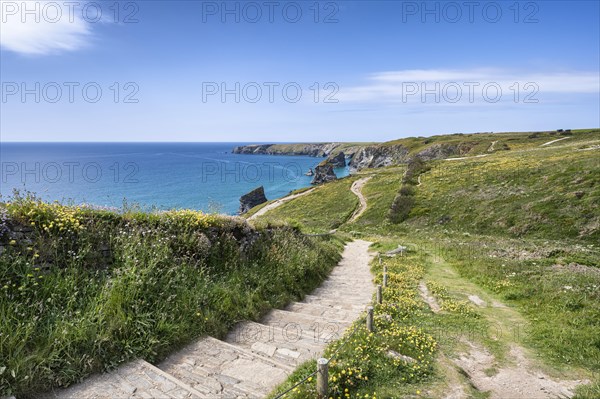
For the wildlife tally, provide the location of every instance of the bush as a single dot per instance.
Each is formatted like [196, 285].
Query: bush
[401, 208]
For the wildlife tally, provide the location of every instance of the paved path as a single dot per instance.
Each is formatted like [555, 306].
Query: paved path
[357, 190]
[254, 357]
[278, 203]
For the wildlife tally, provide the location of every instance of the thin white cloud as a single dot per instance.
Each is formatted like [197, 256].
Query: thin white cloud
[49, 28]
[411, 86]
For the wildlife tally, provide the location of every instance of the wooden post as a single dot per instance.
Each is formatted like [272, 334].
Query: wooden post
[379, 294]
[322, 378]
[370, 318]
[385, 276]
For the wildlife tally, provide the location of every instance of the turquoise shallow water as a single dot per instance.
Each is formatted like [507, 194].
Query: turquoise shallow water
[202, 176]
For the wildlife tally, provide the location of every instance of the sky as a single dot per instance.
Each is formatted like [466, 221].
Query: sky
[295, 71]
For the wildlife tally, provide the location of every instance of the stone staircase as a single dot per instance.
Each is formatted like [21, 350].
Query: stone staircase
[254, 357]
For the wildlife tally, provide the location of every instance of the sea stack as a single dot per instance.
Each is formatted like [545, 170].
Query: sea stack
[338, 160]
[324, 173]
[253, 198]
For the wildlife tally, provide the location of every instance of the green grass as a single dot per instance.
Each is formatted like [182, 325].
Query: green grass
[379, 192]
[479, 143]
[66, 311]
[362, 366]
[326, 208]
[520, 226]
[543, 193]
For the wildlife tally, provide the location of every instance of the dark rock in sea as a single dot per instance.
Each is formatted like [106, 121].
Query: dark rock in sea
[323, 173]
[253, 198]
[310, 172]
[338, 161]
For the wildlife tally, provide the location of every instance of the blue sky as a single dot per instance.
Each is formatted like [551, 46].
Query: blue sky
[162, 71]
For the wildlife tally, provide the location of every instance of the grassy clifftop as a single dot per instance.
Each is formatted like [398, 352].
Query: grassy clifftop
[546, 192]
[519, 226]
[84, 290]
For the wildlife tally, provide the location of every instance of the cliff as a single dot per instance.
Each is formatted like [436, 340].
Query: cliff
[378, 156]
[310, 149]
[338, 160]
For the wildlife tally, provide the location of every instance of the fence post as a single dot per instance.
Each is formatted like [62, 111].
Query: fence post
[385, 276]
[370, 318]
[379, 294]
[322, 378]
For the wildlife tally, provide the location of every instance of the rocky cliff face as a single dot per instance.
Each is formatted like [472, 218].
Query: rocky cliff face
[378, 156]
[253, 198]
[370, 156]
[337, 161]
[323, 173]
[314, 150]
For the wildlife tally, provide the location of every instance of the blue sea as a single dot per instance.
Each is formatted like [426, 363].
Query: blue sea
[200, 176]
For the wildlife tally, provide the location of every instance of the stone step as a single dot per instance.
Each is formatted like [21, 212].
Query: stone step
[354, 278]
[343, 287]
[137, 379]
[316, 309]
[289, 346]
[221, 370]
[357, 297]
[336, 303]
[302, 322]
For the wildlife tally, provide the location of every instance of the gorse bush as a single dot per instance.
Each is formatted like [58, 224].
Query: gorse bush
[405, 199]
[401, 208]
[85, 290]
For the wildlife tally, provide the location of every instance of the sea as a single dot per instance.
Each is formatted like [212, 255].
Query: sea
[152, 176]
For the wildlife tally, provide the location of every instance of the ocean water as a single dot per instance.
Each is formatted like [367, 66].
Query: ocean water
[201, 176]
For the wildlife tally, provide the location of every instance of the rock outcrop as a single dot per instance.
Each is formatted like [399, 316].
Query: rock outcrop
[337, 161]
[323, 173]
[378, 156]
[252, 199]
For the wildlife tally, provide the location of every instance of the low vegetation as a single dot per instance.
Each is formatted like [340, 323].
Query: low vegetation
[405, 199]
[83, 290]
[398, 358]
[324, 209]
[520, 226]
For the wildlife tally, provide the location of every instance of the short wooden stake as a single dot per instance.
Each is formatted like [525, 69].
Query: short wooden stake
[385, 276]
[370, 318]
[379, 294]
[322, 378]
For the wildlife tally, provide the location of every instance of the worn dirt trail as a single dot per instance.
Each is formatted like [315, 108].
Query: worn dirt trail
[519, 374]
[278, 203]
[357, 190]
[553, 141]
